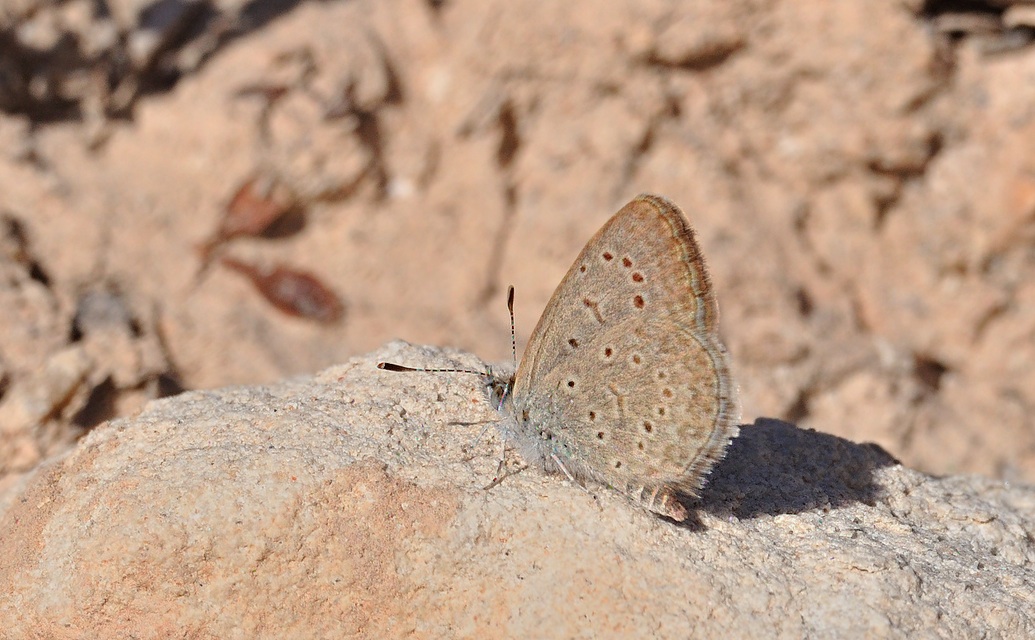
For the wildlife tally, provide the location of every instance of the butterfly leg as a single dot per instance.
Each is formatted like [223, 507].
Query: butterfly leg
[502, 466]
[560, 465]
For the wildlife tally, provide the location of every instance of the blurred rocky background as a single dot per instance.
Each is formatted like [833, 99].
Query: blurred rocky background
[200, 193]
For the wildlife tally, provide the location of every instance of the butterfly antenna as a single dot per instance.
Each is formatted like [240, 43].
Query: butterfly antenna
[504, 392]
[502, 467]
[391, 366]
[513, 346]
[513, 340]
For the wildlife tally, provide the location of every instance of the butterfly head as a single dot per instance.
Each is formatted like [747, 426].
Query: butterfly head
[500, 385]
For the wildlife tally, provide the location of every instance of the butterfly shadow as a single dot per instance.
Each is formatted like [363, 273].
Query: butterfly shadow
[774, 467]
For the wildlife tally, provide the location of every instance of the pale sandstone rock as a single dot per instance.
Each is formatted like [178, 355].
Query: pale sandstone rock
[350, 504]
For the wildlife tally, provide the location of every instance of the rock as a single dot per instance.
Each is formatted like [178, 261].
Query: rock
[25, 412]
[863, 188]
[1019, 15]
[351, 504]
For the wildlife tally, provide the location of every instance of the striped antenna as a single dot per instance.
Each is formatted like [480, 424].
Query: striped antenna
[513, 340]
[391, 366]
[502, 389]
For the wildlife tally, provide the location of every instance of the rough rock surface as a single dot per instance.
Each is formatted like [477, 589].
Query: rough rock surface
[351, 504]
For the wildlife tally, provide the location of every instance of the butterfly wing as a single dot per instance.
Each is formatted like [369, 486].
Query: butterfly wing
[624, 378]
